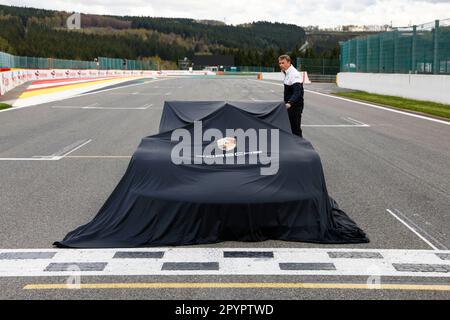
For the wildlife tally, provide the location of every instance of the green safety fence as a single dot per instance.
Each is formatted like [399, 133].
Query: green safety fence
[126, 64]
[418, 49]
[248, 69]
[238, 68]
[318, 65]
[11, 61]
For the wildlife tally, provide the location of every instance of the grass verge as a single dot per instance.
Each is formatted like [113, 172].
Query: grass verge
[427, 107]
[4, 106]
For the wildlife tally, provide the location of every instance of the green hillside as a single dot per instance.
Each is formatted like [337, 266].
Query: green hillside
[38, 32]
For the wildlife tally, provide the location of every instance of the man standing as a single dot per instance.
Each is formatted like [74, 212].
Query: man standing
[293, 93]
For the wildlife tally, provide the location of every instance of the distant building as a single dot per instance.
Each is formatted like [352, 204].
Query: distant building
[349, 28]
[365, 28]
[213, 62]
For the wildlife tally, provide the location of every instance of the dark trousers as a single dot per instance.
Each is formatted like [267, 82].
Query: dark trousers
[295, 117]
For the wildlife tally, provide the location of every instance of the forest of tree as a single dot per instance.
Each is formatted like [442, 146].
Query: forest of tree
[42, 33]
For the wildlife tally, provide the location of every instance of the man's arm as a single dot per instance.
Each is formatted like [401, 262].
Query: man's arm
[297, 94]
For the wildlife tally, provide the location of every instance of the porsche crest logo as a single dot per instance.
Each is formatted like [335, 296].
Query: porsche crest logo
[227, 143]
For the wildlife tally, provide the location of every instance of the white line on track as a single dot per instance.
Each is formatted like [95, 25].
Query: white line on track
[55, 156]
[98, 157]
[144, 107]
[136, 94]
[44, 158]
[413, 230]
[358, 123]
[94, 106]
[140, 94]
[354, 124]
[168, 87]
[253, 99]
[368, 105]
[76, 107]
[75, 146]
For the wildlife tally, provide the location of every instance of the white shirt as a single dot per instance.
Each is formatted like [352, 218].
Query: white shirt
[292, 76]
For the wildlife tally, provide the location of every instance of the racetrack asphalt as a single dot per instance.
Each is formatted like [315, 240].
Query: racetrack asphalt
[377, 163]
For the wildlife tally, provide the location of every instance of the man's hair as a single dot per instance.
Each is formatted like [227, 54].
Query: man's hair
[284, 57]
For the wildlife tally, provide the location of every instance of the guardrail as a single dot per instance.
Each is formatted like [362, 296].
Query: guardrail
[322, 78]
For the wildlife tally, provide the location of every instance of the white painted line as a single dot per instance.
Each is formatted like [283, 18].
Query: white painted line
[355, 124]
[334, 125]
[30, 159]
[66, 107]
[55, 156]
[117, 108]
[413, 230]
[73, 147]
[94, 106]
[358, 123]
[421, 230]
[367, 104]
[99, 157]
[384, 108]
[11, 267]
[253, 99]
[75, 107]
[168, 87]
[146, 106]
[137, 94]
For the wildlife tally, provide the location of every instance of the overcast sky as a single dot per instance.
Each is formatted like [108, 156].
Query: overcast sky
[325, 13]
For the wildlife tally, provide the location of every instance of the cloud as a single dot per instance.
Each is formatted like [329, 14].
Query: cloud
[325, 13]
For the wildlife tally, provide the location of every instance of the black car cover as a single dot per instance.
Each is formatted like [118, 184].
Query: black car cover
[161, 202]
[177, 114]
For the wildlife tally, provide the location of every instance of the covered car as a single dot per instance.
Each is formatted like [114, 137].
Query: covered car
[177, 194]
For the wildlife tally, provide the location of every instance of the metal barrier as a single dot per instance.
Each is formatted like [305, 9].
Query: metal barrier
[330, 78]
